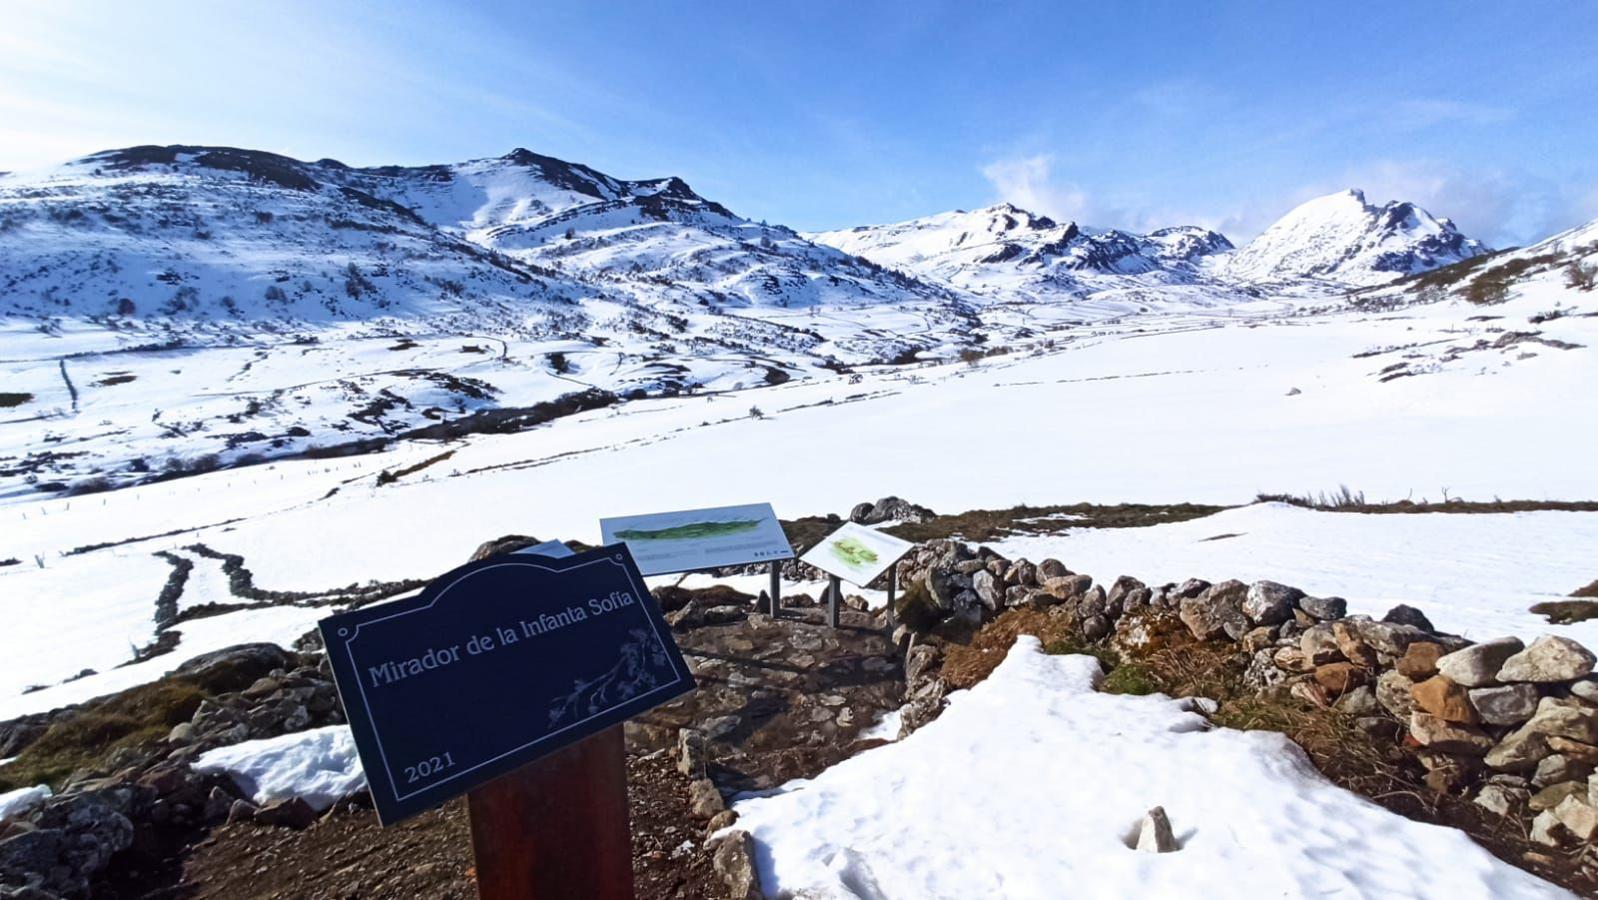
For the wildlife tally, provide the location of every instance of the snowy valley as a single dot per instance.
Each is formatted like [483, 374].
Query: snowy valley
[239, 391]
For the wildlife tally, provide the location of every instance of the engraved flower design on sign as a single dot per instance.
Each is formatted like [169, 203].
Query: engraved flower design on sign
[642, 665]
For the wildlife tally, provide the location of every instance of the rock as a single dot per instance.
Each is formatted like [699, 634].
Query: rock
[721, 820]
[1352, 644]
[1379, 727]
[734, 862]
[1387, 639]
[1549, 659]
[890, 509]
[1292, 659]
[291, 813]
[921, 661]
[1217, 612]
[1579, 751]
[1478, 664]
[1092, 602]
[1095, 627]
[1262, 672]
[692, 752]
[703, 798]
[1069, 587]
[64, 843]
[1519, 751]
[1566, 718]
[1269, 603]
[1502, 800]
[1309, 692]
[1359, 702]
[1586, 689]
[1393, 692]
[1124, 587]
[1258, 639]
[1319, 645]
[1560, 767]
[1445, 700]
[1154, 835]
[240, 664]
[1403, 614]
[240, 811]
[989, 589]
[1448, 737]
[1340, 677]
[1419, 661]
[1021, 573]
[1551, 796]
[1576, 814]
[1324, 609]
[1546, 829]
[1051, 568]
[1509, 704]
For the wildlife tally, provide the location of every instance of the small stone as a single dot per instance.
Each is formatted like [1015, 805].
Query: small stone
[1269, 603]
[1309, 692]
[1324, 609]
[1560, 767]
[733, 860]
[1509, 704]
[1051, 568]
[1352, 644]
[1576, 814]
[1566, 718]
[1444, 699]
[1155, 836]
[721, 820]
[1420, 660]
[1393, 692]
[1340, 677]
[1216, 613]
[1549, 659]
[1292, 659]
[1404, 614]
[1478, 664]
[1586, 689]
[703, 798]
[1360, 701]
[1576, 750]
[1258, 639]
[291, 813]
[1552, 795]
[1502, 800]
[1319, 645]
[1520, 751]
[1546, 829]
[1448, 737]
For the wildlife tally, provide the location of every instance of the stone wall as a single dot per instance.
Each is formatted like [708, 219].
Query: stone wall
[1512, 727]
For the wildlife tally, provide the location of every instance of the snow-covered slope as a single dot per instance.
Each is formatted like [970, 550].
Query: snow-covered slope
[1341, 238]
[1006, 248]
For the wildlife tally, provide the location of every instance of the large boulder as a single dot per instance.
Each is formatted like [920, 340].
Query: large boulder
[1269, 603]
[1324, 609]
[1550, 658]
[66, 842]
[1403, 614]
[1478, 664]
[1217, 612]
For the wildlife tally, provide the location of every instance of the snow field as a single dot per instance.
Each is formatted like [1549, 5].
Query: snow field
[1074, 771]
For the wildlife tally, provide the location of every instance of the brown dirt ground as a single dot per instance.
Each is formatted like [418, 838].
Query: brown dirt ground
[348, 856]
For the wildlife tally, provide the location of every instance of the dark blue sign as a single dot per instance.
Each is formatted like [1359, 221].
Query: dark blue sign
[496, 664]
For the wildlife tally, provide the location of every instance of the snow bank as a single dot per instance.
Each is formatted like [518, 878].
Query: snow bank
[319, 765]
[21, 800]
[1032, 782]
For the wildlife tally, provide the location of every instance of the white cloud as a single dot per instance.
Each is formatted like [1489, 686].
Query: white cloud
[1028, 183]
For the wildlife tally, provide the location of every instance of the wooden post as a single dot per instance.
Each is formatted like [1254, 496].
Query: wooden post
[834, 599]
[776, 588]
[556, 828]
[893, 582]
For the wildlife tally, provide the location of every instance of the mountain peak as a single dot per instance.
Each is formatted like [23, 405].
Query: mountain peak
[1342, 237]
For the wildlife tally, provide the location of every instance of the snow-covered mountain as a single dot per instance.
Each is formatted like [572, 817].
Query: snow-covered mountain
[1341, 238]
[1004, 247]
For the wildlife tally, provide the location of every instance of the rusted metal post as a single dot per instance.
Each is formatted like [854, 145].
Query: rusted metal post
[556, 828]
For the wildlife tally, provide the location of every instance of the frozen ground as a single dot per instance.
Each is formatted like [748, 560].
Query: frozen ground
[1158, 408]
[319, 765]
[1073, 772]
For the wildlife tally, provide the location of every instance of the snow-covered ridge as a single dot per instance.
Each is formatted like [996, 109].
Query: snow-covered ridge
[1342, 238]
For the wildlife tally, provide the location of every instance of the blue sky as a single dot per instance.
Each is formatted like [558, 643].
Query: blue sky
[825, 115]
